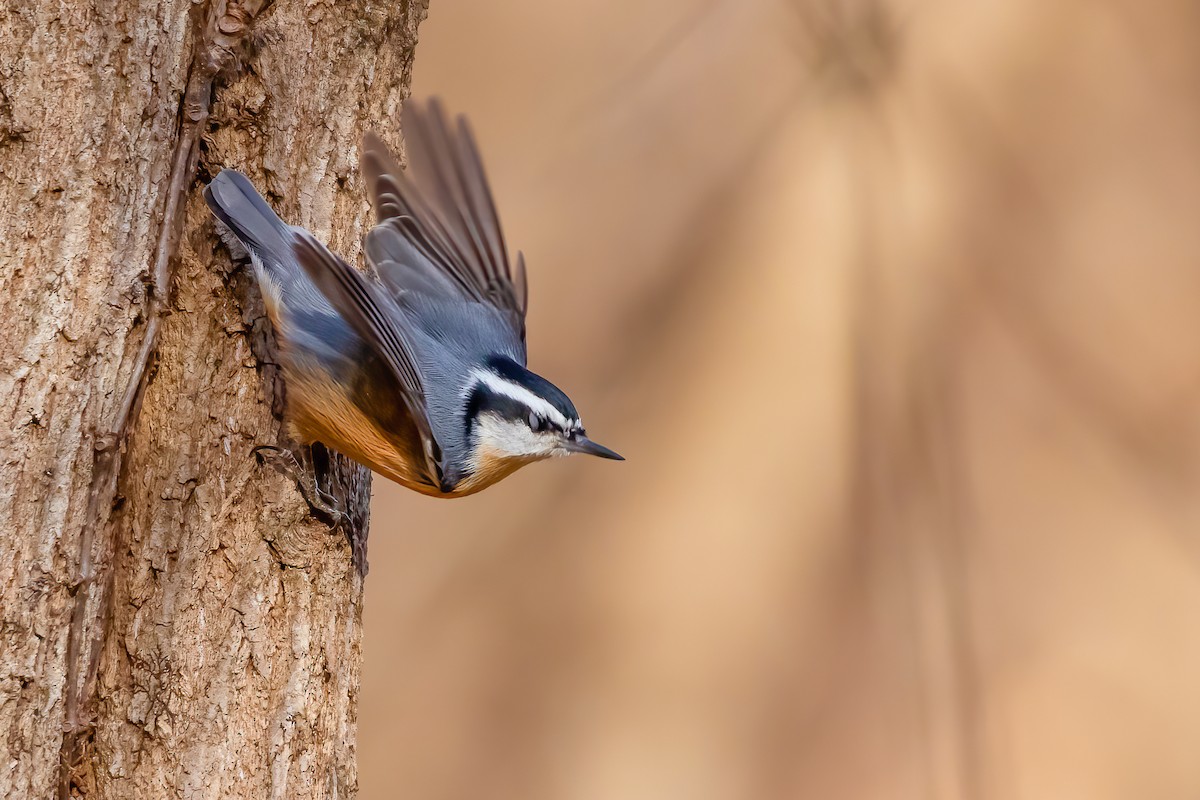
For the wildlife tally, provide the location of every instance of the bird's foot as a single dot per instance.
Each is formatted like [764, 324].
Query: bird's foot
[300, 470]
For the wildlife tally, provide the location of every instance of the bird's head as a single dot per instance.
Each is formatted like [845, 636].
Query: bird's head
[514, 414]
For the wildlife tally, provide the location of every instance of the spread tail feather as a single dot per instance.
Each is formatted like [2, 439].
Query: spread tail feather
[234, 200]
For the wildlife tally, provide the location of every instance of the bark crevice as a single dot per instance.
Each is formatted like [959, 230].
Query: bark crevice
[99, 615]
[151, 643]
[215, 46]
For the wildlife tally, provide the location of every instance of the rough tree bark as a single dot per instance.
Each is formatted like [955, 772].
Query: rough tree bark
[172, 620]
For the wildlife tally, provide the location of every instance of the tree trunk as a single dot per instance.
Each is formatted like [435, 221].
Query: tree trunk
[173, 622]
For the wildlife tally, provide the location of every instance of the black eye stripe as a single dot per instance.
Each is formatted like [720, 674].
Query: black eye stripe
[510, 371]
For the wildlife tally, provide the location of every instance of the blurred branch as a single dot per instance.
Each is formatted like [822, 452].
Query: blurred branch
[852, 45]
[649, 62]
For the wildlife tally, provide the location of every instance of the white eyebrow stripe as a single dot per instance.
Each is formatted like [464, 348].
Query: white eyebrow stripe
[517, 392]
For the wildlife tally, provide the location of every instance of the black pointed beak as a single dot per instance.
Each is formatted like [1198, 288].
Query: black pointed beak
[582, 444]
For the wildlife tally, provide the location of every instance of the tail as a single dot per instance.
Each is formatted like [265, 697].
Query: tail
[233, 200]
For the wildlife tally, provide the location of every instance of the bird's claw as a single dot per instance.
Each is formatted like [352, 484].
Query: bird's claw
[285, 462]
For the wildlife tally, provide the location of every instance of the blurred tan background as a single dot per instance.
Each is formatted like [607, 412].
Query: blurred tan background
[892, 308]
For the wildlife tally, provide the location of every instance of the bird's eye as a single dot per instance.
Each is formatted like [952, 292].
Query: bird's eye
[535, 422]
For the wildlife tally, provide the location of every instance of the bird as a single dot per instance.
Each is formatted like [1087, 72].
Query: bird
[417, 366]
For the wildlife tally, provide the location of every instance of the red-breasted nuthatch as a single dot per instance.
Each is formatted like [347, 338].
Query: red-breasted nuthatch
[417, 371]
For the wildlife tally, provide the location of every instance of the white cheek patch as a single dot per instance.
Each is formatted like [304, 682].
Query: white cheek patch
[506, 439]
[538, 405]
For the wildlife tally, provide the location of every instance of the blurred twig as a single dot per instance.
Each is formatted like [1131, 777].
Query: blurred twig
[643, 67]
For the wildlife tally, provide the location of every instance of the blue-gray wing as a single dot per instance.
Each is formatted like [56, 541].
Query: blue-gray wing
[438, 232]
[375, 318]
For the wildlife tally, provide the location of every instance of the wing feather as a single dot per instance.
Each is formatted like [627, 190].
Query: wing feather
[443, 206]
[356, 299]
